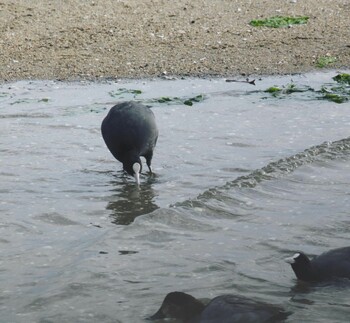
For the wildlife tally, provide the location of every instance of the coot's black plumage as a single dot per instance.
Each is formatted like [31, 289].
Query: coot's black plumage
[130, 131]
[221, 309]
[180, 306]
[330, 265]
[232, 308]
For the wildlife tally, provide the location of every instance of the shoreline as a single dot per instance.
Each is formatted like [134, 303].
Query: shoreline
[331, 72]
[101, 40]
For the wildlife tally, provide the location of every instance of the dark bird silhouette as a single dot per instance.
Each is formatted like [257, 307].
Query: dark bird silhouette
[329, 265]
[180, 306]
[221, 309]
[130, 131]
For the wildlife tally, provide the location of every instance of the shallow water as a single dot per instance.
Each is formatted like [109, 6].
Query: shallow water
[242, 181]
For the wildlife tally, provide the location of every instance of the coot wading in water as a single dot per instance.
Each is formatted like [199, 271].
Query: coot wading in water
[330, 265]
[130, 131]
[221, 309]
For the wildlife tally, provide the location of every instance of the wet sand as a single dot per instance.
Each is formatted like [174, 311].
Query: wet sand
[100, 39]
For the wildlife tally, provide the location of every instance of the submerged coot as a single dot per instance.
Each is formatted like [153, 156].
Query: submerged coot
[221, 309]
[130, 131]
[327, 266]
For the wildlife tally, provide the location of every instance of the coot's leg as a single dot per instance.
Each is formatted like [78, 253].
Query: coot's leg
[148, 157]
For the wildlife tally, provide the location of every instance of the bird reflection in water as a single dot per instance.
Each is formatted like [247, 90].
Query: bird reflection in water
[130, 201]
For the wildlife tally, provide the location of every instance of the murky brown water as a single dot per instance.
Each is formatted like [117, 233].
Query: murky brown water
[242, 181]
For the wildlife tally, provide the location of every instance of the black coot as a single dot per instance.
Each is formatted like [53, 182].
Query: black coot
[327, 266]
[180, 306]
[130, 131]
[221, 309]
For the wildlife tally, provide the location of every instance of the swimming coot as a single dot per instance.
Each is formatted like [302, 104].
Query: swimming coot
[221, 309]
[327, 266]
[180, 306]
[130, 131]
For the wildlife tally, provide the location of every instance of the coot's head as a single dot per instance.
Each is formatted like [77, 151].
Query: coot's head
[133, 168]
[180, 306]
[301, 266]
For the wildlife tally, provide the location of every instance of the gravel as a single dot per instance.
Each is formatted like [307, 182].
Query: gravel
[75, 40]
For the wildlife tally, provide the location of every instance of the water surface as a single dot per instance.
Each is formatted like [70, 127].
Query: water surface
[242, 181]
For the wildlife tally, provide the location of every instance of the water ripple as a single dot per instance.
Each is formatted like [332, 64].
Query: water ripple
[325, 151]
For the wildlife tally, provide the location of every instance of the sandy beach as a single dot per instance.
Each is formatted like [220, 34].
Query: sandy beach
[74, 40]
